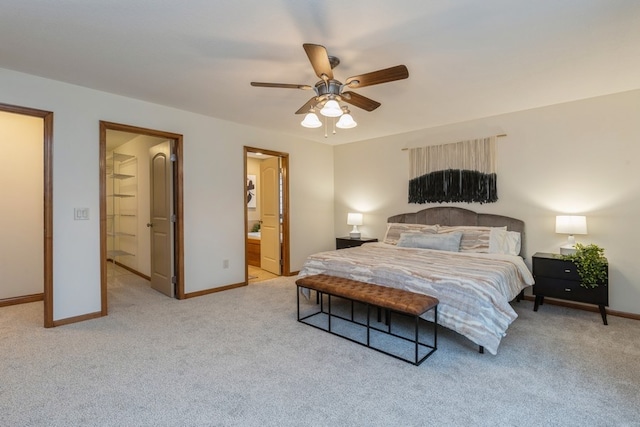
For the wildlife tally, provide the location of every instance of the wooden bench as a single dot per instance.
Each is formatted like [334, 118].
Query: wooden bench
[392, 300]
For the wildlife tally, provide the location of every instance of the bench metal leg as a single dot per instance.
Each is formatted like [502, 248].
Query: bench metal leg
[329, 304]
[435, 328]
[417, 337]
[298, 300]
[368, 325]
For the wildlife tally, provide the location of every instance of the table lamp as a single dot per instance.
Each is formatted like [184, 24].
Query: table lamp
[571, 225]
[354, 219]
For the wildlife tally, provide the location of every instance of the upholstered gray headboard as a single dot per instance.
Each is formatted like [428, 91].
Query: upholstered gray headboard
[459, 216]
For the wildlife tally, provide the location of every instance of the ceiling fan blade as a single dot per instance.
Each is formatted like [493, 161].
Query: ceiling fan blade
[360, 101]
[398, 72]
[308, 106]
[281, 85]
[319, 60]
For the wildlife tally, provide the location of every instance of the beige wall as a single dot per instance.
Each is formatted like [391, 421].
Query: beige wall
[213, 187]
[581, 157]
[22, 218]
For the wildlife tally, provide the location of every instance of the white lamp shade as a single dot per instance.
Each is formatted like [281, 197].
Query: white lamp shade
[346, 122]
[571, 224]
[354, 219]
[331, 109]
[311, 121]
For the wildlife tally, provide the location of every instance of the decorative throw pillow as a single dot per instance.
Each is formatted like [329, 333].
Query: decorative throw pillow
[441, 242]
[474, 238]
[394, 230]
[504, 242]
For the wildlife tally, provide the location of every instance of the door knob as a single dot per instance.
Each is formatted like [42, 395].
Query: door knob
[149, 224]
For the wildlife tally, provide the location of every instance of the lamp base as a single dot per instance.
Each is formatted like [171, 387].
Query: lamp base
[567, 249]
[354, 235]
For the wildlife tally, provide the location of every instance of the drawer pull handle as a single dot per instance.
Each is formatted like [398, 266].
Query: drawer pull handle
[567, 271]
[567, 289]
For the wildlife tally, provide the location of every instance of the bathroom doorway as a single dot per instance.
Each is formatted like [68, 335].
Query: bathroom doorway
[266, 214]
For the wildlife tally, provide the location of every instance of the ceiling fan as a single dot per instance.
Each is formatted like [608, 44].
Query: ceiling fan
[329, 89]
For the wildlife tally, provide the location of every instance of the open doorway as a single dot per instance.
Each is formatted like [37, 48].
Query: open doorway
[39, 208]
[141, 221]
[266, 214]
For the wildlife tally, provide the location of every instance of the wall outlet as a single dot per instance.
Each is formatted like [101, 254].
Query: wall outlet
[80, 213]
[225, 263]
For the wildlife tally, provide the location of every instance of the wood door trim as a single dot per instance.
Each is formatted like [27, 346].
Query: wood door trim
[47, 117]
[178, 203]
[284, 159]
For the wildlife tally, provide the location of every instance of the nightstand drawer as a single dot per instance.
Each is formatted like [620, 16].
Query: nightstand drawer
[570, 290]
[556, 268]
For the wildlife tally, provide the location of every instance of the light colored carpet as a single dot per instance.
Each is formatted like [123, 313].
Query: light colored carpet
[240, 358]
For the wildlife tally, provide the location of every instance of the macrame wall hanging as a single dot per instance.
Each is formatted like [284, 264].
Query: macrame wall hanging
[461, 172]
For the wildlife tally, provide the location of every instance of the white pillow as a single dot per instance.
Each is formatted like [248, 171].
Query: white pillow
[504, 242]
[441, 242]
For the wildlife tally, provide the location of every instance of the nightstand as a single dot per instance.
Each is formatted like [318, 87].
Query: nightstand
[349, 242]
[557, 278]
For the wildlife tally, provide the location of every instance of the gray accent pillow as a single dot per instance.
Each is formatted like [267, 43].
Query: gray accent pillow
[441, 242]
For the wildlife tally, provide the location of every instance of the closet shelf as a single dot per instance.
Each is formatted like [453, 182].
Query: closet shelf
[122, 231]
[120, 234]
[121, 176]
[116, 253]
[119, 157]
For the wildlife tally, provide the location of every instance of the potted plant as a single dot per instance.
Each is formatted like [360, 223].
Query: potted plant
[591, 265]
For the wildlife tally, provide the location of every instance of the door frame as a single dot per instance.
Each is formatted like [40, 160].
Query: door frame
[177, 200]
[285, 249]
[47, 118]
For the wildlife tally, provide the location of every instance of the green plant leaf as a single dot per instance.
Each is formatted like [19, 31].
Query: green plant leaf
[591, 264]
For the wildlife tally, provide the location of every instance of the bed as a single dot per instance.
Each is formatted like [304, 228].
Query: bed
[419, 254]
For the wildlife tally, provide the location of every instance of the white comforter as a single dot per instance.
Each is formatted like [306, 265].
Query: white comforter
[474, 289]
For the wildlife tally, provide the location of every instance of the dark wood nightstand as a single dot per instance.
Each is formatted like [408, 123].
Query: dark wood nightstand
[348, 242]
[557, 278]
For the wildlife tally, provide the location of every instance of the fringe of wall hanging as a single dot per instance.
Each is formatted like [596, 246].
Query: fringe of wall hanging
[461, 172]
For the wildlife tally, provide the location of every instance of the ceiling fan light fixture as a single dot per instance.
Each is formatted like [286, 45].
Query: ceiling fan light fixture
[329, 91]
[331, 109]
[311, 120]
[346, 121]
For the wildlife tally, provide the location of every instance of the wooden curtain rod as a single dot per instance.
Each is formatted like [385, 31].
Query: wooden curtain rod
[497, 136]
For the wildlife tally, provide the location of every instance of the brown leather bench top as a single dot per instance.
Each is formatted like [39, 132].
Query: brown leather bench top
[381, 296]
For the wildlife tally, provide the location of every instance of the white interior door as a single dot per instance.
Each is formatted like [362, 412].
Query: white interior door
[269, 199]
[162, 251]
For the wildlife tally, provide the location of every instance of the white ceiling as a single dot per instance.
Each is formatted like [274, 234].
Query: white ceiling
[466, 58]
